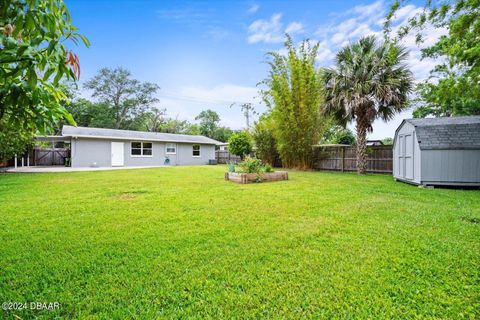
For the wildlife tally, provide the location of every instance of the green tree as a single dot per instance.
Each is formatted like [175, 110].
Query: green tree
[223, 134]
[84, 112]
[90, 114]
[150, 120]
[240, 144]
[34, 58]
[264, 138]
[13, 140]
[453, 87]
[126, 96]
[369, 81]
[339, 135]
[209, 121]
[294, 96]
[387, 141]
[179, 127]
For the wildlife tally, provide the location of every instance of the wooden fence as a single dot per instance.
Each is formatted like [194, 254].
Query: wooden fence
[224, 156]
[50, 156]
[342, 158]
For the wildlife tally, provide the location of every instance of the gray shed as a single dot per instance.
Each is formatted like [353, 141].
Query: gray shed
[438, 151]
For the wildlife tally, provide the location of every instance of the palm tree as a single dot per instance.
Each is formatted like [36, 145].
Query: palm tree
[369, 81]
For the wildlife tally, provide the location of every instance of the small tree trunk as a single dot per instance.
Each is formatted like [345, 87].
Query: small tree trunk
[361, 145]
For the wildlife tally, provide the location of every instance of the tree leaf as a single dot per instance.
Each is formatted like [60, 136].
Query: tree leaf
[32, 78]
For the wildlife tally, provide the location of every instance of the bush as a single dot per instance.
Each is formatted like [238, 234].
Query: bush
[253, 165]
[240, 144]
[265, 142]
[268, 168]
[13, 140]
[339, 135]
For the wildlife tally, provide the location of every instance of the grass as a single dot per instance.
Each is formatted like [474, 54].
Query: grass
[183, 243]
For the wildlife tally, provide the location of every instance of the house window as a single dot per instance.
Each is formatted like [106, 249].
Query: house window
[196, 150]
[141, 149]
[136, 148]
[171, 148]
[147, 149]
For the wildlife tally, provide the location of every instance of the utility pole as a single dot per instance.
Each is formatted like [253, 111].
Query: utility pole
[248, 111]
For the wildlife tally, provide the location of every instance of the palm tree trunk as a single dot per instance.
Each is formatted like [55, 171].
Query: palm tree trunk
[361, 145]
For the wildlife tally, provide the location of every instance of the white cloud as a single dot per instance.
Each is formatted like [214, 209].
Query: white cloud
[324, 53]
[269, 31]
[406, 12]
[253, 8]
[272, 31]
[294, 27]
[373, 13]
[368, 10]
[338, 37]
[347, 25]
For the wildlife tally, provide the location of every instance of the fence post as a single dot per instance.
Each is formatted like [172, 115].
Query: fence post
[343, 159]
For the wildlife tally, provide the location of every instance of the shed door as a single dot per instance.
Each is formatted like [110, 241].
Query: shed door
[117, 154]
[405, 156]
[401, 156]
[409, 156]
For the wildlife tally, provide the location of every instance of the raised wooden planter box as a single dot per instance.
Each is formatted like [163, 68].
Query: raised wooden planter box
[253, 177]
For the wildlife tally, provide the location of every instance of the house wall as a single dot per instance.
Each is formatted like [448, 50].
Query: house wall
[184, 152]
[86, 151]
[450, 166]
[407, 128]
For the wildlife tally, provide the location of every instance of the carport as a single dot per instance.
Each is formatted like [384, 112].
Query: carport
[45, 151]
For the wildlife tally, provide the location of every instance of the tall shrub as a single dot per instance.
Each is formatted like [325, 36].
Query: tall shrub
[265, 142]
[240, 144]
[293, 94]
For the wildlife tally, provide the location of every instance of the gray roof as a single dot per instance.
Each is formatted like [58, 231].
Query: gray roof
[448, 132]
[100, 133]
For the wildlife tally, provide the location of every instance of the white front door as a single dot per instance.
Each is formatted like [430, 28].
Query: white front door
[117, 154]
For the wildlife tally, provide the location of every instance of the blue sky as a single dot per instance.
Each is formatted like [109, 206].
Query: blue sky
[209, 54]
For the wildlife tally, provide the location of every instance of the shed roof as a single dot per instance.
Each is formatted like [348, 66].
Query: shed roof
[100, 133]
[447, 132]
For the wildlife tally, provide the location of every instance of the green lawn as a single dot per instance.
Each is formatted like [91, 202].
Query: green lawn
[183, 243]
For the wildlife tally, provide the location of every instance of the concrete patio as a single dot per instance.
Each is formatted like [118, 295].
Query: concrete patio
[47, 169]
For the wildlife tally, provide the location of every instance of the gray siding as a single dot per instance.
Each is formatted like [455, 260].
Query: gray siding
[184, 153]
[157, 158]
[86, 151]
[455, 166]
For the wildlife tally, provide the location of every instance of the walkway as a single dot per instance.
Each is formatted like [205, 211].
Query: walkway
[44, 169]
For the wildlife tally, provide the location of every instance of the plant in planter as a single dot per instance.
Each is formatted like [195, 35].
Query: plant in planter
[231, 167]
[254, 170]
[251, 165]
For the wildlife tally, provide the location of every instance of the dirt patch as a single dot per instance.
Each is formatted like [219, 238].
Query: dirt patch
[130, 195]
[471, 220]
